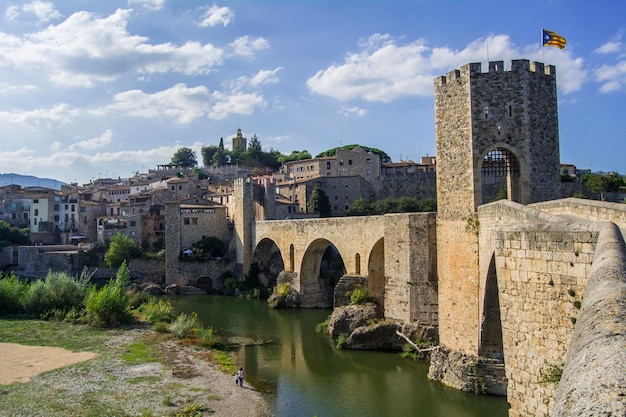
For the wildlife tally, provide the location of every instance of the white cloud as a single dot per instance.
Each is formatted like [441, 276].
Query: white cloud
[265, 77]
[44, 10]
[12, 12]
[40, 119]
[84, 49]
[183, 104]
[350, 111]
[236, 103]
[386, 70]
[151, 5]
[216, 15]
[612, 77]
[609, 48]
[94, 143]
[244, 46]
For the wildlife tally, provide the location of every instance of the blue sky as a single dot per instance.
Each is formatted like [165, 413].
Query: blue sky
[91, 89]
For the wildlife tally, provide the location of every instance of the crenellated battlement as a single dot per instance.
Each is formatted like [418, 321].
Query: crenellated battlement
[496, 67]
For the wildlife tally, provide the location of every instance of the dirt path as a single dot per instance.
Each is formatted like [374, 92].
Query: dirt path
[20, 362]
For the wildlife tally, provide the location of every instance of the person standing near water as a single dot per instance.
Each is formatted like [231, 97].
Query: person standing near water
[239, 379]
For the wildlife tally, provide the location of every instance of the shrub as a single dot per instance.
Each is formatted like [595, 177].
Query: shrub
[121, 249]
[551, 373]
[12, 291]
[59, 291]
[341, 340]
[207, 337]
[359, 295]
[108, 306]
[184, 325]
[322, 327]
[157, 310]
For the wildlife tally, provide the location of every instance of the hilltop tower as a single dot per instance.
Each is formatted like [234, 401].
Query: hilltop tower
[243, 217]
[496, 137]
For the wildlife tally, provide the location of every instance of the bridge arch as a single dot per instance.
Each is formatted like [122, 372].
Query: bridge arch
[491, 345]
[269, 260]
[321, 267]
[376, 272]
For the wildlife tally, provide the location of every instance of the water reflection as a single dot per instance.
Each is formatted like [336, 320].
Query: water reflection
[306, 375]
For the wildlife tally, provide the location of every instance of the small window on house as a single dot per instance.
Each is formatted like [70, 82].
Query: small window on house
[133, 223]
[36, 212]
[194, 220]
[368, 161]
[186, 221]
[173, 188]
[368, 172]
[180, 187]
[349, 161]
[341, 162]
[510, 111]
[328, 165]
[35, 201]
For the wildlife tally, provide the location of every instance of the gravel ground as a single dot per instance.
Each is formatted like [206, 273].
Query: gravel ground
[108, 386]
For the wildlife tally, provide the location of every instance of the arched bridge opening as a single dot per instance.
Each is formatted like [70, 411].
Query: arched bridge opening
[376, 273]
[267, 263]
[322, 267]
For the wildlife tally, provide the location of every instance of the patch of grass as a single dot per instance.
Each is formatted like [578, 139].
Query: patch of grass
[54, 333]
[193, 410]
[213, 397]
[137, 353]
[224, 361]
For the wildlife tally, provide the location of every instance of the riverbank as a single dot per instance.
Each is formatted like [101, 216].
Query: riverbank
[133, 372]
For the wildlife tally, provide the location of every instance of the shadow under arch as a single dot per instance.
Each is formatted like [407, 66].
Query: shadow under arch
[267, 262]
[321, 268]
[376, 273]
[501, 174]
[491, 345]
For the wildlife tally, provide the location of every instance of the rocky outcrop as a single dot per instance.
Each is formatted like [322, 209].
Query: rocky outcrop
[363, 327]
[467, 373]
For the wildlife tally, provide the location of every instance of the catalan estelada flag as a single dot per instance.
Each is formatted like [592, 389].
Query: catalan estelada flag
[553, 39]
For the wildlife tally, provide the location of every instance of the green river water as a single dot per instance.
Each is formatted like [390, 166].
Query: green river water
[305, 375]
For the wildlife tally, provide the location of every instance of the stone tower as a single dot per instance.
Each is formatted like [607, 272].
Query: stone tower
[243, 217]
[496, 137]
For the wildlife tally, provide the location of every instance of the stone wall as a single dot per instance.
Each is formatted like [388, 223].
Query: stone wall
[542, 262]
[586, 209]
[411, 268]
[418, 185]
[594, 378]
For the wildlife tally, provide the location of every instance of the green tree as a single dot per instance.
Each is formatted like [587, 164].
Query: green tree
[207, 153]
[600, 184]
[121, 249]
[211, 246]
[184, 157]
[254, 147]
[295, 156]
[318, 202]
[11, 235]
[360, 207]
[384, 158]
[220, 158]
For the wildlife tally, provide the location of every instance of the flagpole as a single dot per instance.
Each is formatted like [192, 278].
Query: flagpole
[487, 50]
[542, 48]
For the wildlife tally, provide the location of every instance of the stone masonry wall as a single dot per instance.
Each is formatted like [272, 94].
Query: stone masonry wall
[411, 268]
[594, 378]
[542, 263]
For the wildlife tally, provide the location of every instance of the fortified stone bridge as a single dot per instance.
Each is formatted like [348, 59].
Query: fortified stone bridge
[388, 251]
[534, 263]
